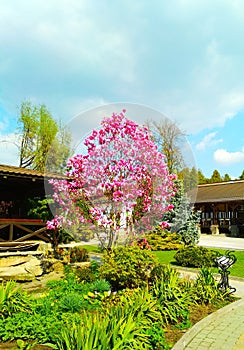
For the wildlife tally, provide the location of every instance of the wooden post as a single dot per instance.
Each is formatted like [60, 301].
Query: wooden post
[11, 232]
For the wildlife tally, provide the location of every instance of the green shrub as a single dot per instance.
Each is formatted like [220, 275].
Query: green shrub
[160, 239]
[86, 274]
[71, 303]
[43, 329]
[100, 285]
[13, 299]
[127, 267]
[195, 256]
[24, 326]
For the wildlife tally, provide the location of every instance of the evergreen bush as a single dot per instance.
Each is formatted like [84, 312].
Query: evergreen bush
[160, 239]
[127, 267]
[195, 256]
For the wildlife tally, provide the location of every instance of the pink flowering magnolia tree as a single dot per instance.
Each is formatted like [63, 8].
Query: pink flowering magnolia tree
[121, 186]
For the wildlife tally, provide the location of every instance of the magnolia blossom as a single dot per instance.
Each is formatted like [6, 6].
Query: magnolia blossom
[122, 173]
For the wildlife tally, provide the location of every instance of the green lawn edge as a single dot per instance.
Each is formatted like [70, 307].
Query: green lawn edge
[167, 257]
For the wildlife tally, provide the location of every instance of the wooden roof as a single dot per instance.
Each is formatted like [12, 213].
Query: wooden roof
[9, 170]
[221, 192]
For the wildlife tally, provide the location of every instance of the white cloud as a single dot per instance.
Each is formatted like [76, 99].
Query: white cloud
[222, 156]
[208, 141]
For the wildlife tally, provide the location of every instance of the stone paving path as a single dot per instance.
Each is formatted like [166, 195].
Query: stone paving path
[222, 330]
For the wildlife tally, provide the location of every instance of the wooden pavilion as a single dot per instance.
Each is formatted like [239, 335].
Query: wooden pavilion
[17, 185]
[222, 207]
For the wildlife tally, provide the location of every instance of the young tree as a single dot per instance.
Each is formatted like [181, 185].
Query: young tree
[122, 182]
[40, 134]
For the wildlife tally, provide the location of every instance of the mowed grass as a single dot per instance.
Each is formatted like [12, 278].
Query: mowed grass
[167, 257]
[91, 248]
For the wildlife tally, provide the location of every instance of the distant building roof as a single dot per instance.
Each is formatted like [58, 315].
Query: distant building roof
[10, 170]
[221, 192]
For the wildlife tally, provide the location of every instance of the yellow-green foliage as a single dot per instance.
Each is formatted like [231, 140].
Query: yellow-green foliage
[163, 240]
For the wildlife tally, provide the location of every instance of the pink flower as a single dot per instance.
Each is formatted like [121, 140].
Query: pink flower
[165, 225]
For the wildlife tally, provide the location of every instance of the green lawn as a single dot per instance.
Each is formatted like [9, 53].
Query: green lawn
[91, 248]
[167, 257]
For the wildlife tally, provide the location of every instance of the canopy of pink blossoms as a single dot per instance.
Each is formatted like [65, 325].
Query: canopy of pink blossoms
[122, 172]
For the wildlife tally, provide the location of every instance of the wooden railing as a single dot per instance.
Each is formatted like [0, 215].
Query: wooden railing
[23, 228]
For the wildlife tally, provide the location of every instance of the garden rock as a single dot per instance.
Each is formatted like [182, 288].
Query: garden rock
[20, 268]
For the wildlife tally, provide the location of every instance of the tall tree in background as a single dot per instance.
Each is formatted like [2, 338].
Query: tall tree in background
[201, 178]
[216, 177]
[168, 138]
[226, 177]
[41, 136]
[188, 177]
[242, 176]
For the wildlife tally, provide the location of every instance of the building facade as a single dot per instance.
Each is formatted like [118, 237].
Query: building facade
[222, 207]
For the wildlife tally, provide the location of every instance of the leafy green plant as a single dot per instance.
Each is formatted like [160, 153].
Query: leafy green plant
[112, 331]
[13, 299]
[69, 284]
[195, 256]
[173, 299]
[206, 288]
[86, 274]
[157, 338]
[127, 267]
[22, 345]
[24, 326]
[142, 305]
[185, 321]
[42, 329]
[78, 254]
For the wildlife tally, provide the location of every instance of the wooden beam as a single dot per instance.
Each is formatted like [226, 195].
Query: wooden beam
[35, 233]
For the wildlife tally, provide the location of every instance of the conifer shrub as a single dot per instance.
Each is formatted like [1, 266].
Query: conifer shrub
[127, 267]
[160, 239]
[195, 256]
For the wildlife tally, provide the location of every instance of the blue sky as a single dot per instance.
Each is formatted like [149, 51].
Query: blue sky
[183, 58]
